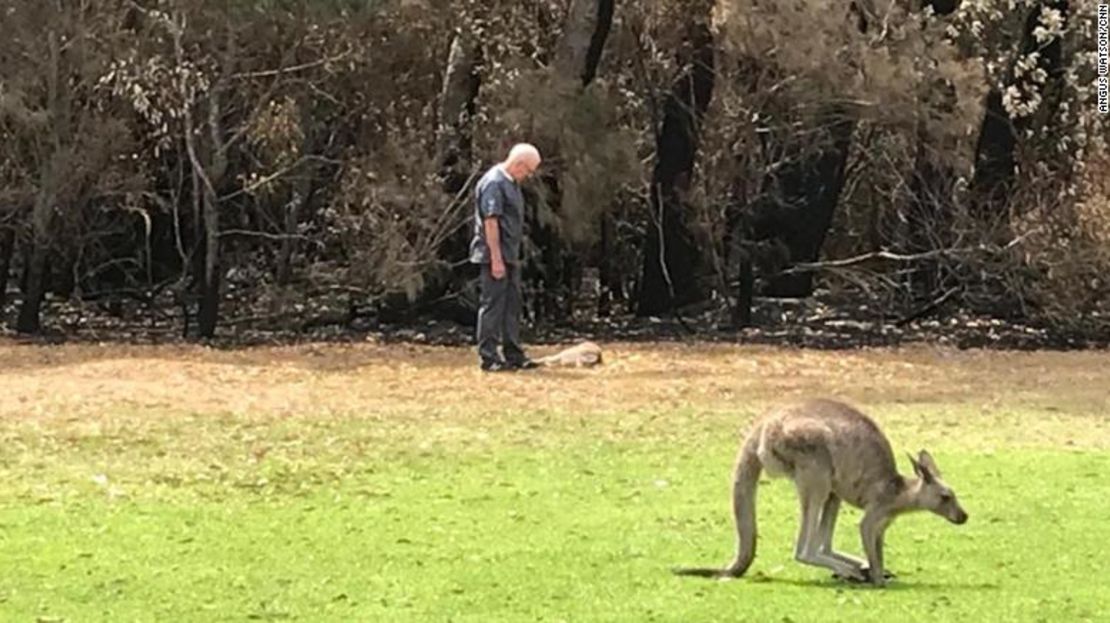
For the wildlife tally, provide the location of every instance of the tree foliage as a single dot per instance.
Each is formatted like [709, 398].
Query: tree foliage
[199, 164]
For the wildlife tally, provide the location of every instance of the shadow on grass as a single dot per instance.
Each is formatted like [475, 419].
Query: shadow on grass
[894, 585]
[830, 583]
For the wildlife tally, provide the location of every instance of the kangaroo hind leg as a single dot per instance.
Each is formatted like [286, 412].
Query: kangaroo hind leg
[814, 488]
[829, 513]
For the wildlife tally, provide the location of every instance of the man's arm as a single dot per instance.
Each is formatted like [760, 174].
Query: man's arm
[491, 206]
[493, 240]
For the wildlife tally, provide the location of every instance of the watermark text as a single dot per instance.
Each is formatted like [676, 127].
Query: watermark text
[1103, 58]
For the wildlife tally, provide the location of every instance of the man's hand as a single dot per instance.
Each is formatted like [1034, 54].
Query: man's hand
[493, 239]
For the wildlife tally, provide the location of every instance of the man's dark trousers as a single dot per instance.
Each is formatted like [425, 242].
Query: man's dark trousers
[499, 311]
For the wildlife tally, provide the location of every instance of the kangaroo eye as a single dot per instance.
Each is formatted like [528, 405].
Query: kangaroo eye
[945, 497]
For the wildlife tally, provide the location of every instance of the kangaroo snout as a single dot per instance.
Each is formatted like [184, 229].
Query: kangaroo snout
[959, 517]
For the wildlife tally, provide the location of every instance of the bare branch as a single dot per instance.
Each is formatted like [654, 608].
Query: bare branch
[266, 180]
[264, 234]
[271, 73]
[802, 267]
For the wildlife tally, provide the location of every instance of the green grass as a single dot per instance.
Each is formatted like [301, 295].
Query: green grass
[539, 516]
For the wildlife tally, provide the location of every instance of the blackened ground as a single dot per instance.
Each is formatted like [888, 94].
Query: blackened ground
[818, 323]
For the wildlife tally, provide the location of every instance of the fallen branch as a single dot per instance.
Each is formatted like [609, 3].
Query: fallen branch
[928, 309]
[267, 235]
[802, 267]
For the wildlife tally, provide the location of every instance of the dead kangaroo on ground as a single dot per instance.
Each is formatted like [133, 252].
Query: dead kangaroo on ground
[585, 354]
[832, 452]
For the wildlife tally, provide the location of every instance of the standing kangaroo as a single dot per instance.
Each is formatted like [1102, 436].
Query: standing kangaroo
[832, 452]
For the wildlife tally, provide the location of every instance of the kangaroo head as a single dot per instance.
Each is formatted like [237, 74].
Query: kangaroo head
[933, 494]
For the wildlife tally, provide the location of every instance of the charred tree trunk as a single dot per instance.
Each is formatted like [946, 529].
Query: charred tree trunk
[930, 210]
[574, 66]
[208, 313]
[7, 248]
[299, 203]
[606, 275]
[941, 7]
[929, 218]
[1044, 121]
[587, 28]
[600, 35]
[745, 291]
[926, 218]
[457, 101]
[1051, 60]
[738, 240]
[546, 276]
[304, 189]
[671, 257]
[992, 184]
[800, 200]
[454, 157]
[608, 285]
[288, 243]
[209, 173]
[63, 276]
[29, 320]
[806, 194]
[49, 161]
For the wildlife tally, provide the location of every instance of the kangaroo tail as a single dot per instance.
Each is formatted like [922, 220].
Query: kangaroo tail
[748, 469]
[745, 481]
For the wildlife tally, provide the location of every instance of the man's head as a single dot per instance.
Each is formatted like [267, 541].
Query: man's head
[522, 162]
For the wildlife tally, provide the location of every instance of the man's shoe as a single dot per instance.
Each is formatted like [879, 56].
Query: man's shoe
[524, 364]
[496, 366]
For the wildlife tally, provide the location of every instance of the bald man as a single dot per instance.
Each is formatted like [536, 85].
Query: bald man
[498, 224]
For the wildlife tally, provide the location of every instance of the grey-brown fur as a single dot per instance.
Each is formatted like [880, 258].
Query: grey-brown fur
[834, 454]
[583, 354]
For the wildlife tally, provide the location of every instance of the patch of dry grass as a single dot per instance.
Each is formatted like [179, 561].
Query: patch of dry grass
[656, 389]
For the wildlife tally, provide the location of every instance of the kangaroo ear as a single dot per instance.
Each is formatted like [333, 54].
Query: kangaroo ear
[927, 462]
[917, 468]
